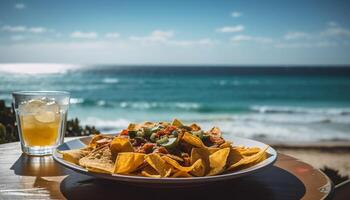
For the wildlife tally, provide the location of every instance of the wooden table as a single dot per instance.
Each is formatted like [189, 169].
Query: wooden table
[25, 177]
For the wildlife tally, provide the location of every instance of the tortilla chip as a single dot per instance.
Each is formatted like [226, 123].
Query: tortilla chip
[249, 151]
[94, 139]
[121, 144]
[174, 157]
[225, 144]
[199, 168]
[193, 140]
[217, 161]
[98, 161]
[195, 127]
[148, 124]
[177, 123]
[181, 174]
[249, 159]
[203, 154]
[149, 171]
[177, 166]
[74, 155]
[158, 164]
[215, 131]
[213, 149]
[234, 156]
[128, 162]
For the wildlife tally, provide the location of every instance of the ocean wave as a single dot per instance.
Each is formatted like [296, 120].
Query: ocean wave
[107, 125]
[302, 110]
[76, 100]
[295, 118]
[138, 105]
[160, 105]
[110, 80]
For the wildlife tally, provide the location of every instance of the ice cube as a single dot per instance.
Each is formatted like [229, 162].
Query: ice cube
[43, 110]
[31, 107]
[45, 116]
[48, 112]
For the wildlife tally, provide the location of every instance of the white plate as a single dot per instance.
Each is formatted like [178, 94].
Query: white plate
[165, 182]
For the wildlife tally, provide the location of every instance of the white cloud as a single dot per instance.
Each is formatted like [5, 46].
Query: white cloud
[37, 30]
[334, 31]
[155, 36]
[239, 38]
[17, 37]
[321, 44]
[207, 41]
[332, 23]
[181, 42]
[20, 6]
[296, 35]
[167, 38]
[230, 29]
[236, 14]
[326, 44]
[242, 38]
[84, 35]
[333, 35]
[293, 45]
[112, 35]
[14, 28]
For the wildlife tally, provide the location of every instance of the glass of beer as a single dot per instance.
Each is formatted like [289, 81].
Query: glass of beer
[41, 120]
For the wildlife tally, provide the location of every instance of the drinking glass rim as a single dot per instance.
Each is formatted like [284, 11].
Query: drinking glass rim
[41, 92]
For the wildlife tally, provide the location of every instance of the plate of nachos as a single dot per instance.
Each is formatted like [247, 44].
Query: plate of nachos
[165, 153]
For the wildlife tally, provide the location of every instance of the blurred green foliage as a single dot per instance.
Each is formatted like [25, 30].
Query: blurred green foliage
[9, 131]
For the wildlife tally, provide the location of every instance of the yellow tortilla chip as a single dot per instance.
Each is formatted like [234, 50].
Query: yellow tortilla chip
[148, 124]
[199, 168]
[203, 154]
[95, 138]
[176, 165]
[128, 162]
[121, 144]
[181, 174]
[158, 164]
[249, 159]
[225, 144]
[217, 161]
[98, 161]
[74, 155]
[249, 151]
[193, 140]
[177, 123]
[234, 156]
[195, 127]
[132, 127]
[149, 171]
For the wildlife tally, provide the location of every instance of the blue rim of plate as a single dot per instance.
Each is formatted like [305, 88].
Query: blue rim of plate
[237, 141]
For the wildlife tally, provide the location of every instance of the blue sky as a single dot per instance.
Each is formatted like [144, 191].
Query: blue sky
[176, 32]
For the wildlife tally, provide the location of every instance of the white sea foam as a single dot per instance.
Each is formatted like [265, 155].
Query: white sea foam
[293, 118]
[285, 109]
[115, 124]
[110, 80]
[142, 105]
[76, 100]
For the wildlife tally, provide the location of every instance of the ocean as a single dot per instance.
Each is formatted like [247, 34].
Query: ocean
[271, 103]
